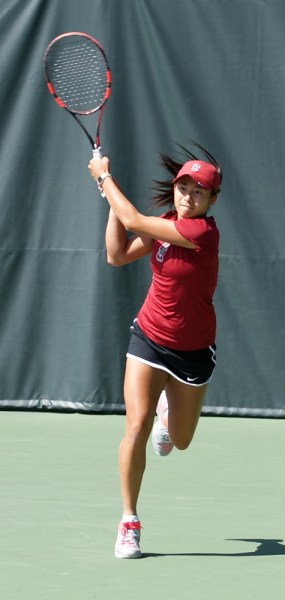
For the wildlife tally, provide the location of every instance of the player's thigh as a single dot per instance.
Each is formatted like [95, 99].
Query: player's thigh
[143, 385]
[185, 403]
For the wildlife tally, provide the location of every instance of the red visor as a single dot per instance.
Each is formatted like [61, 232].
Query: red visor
[203, 173]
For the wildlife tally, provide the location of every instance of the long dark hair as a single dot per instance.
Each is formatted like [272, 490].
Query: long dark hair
[164, 189]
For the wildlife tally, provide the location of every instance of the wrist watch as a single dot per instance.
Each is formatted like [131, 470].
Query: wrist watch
[102, 178]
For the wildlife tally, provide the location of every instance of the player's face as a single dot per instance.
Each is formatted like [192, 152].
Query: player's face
[190, 199]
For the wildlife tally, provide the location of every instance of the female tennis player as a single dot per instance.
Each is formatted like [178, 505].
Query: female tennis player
[171, 354]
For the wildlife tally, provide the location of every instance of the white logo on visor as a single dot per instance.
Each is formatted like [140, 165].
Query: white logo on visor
[195, 167]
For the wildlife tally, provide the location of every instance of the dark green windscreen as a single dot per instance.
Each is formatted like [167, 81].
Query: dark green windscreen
[210, 70]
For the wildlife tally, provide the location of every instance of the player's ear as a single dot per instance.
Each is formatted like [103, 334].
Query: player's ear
[213, 198]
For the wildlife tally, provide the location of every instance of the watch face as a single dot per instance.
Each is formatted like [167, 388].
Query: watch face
[101, 178]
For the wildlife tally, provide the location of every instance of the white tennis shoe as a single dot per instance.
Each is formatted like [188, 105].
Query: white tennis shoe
[161, 441]
[128, 540]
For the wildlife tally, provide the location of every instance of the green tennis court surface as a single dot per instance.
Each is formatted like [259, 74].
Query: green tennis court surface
[213, 517]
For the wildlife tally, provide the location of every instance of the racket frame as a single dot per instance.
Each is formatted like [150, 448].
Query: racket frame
[95, 144]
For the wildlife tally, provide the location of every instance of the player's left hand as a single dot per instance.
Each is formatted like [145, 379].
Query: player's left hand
[98, 166]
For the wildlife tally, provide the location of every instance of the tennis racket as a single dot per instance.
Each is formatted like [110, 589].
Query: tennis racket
[79, 78]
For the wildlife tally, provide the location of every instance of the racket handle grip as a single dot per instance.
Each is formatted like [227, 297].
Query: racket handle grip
[97, 153]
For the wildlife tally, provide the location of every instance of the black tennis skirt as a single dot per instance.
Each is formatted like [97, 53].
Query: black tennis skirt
[193, 367]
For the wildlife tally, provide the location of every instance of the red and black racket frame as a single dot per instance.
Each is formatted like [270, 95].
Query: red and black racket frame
[60, 103]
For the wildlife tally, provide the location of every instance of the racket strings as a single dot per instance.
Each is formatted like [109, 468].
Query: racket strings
[78, 73]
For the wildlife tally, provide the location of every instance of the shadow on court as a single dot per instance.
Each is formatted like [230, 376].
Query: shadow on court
[264, 548]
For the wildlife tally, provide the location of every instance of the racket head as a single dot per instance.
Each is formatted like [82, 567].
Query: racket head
[77, 73]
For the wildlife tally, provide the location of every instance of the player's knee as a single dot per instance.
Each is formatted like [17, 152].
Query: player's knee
[138, 431]
[182, 443]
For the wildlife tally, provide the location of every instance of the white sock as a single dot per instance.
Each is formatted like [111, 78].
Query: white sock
[130, 519]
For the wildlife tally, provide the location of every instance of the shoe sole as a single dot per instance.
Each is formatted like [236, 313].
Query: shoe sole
[136, 554]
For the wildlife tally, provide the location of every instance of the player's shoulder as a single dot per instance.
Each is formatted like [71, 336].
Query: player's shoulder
[202, 231]
[171, 215]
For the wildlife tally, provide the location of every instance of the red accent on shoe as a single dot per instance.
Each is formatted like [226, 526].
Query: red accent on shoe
[129, 525]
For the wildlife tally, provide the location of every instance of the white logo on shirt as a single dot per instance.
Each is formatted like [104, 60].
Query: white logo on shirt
[161, 251]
